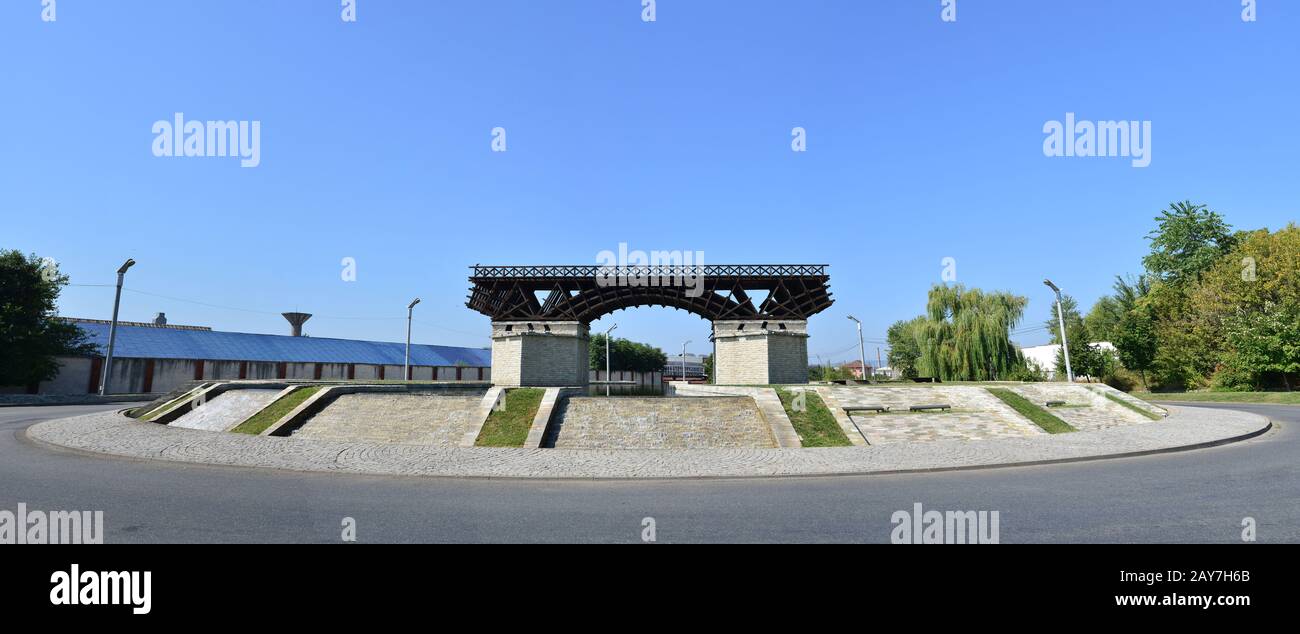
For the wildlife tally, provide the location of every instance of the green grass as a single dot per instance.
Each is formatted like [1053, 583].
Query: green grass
[1280, 398]
[509, 427]
[1132, 406]
[1038, 415]
[815, 425]
[155, 412]
[275, 411]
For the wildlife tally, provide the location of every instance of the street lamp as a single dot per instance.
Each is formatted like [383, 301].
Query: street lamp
[684, 358]
[112, 329]
[862, 350]
[406, 366]
[608, 377]
[1060, 318]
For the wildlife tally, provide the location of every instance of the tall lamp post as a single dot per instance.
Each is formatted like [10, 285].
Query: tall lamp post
[608, 376]
[684, 358]
[406, 365]
[1060, 318]
[862, 350]
[104, 383]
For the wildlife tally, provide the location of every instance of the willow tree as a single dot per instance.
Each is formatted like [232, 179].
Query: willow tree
[966, 334]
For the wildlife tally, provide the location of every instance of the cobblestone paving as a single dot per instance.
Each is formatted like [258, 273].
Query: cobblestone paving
[114, 434]
[629, 422]
[1099, 413]
[976, 414]
[226, 409]
[421, 419]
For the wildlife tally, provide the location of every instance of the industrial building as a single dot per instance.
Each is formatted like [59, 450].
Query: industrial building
[154, 358]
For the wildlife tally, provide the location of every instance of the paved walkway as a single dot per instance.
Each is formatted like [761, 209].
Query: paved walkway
[635, 422]
[112, 433]
[418, 419]
[226, 410]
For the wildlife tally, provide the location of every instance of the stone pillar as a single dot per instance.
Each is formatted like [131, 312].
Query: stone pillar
[760, 352]
[540, 353]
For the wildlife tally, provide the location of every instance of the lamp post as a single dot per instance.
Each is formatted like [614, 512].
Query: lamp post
[862, 350]
[1060, 318]
[684, 358]
[104, 383]
[608, 376]
[406, 365]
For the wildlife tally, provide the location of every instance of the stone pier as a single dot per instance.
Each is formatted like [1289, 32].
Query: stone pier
[540, 353]
[754, 352]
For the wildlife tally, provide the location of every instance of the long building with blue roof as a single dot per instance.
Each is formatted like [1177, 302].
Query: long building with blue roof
[156, 358]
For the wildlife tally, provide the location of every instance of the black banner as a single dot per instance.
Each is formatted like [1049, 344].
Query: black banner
[1168, 582]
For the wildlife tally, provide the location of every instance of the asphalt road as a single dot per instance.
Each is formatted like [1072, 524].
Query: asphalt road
[1195, 496]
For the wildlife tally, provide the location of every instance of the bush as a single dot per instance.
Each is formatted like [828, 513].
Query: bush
[1230, 378]
[1122, 380]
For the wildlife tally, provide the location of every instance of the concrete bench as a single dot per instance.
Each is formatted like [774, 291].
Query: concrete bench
[879, 409]
[1055, 403]
[926, 408]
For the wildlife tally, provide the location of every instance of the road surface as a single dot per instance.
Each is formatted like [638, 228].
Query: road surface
[1194, 496]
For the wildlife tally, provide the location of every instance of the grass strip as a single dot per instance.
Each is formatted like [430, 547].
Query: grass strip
[812, 420]
[509, 427]
[1280, 398]
[157, 411]
[1041, 417]
[1132, 406]
[275, 411]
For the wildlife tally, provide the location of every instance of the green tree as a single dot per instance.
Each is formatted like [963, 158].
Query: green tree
[1187, 240]
[1136, 341]
[966, 334]
[625, 355]
[31, 334]
[1267, 340]
[904, 347]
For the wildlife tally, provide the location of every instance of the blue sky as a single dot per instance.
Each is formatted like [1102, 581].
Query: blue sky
[924, 142]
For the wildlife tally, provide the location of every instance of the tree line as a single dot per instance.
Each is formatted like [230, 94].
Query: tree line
[1212, 308]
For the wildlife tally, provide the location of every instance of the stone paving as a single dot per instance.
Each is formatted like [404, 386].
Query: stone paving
[976, 414]
[440, 420]
[114, 434]
[226, 410]
[1085, 410]
[631, 422]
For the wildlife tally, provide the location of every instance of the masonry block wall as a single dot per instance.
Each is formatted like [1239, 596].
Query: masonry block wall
[542, 354]
[761, 352]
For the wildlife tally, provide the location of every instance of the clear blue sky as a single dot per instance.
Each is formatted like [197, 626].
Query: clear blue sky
[924, 142]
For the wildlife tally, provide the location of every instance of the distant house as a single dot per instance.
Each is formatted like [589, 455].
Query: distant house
[854, 368]
[156, 357]
[1044, 357]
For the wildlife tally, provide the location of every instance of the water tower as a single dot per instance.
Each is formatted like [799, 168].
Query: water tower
[297, 320]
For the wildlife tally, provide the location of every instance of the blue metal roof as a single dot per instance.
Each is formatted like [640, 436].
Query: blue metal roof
[167, 343]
